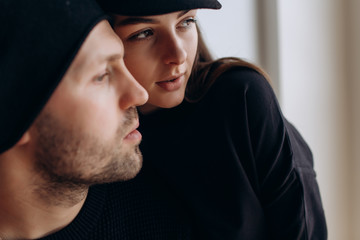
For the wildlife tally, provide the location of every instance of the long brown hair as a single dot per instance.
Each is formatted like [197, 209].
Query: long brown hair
[206, 70]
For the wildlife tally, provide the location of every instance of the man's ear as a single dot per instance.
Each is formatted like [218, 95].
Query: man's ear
[24, 139]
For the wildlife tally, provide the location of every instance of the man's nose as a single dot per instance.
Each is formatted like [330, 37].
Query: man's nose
[132, 93]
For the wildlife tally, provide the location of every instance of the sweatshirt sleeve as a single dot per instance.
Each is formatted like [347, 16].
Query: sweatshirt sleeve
[281, 171]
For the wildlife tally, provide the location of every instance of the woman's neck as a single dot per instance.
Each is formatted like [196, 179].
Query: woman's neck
[148, 108]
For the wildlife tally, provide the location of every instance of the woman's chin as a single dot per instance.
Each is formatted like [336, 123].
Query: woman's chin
[151, 107]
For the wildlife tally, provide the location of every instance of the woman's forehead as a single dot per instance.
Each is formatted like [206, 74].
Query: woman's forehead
[154, 7]
[120, 20]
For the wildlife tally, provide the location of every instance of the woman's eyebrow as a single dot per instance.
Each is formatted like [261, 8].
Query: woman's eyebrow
[137, 20]
[182, 13]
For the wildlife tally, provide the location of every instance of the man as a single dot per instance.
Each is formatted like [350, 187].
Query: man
[68, 118]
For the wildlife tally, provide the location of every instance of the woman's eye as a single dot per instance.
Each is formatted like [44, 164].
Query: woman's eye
[142, 35]
[187, 22]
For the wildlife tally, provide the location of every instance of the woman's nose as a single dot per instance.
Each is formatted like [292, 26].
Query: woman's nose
[174, 51]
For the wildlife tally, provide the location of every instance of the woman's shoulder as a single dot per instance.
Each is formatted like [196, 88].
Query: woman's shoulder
[244, 84]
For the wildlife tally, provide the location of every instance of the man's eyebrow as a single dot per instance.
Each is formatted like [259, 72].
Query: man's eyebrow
[137, 20]
[111, 58]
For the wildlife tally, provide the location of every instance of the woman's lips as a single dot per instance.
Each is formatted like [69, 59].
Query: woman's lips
[173, 84]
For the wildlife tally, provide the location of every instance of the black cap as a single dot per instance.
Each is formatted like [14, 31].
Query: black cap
[154, 7]
[38, 41]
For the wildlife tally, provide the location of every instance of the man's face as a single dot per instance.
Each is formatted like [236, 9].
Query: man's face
[86, 134]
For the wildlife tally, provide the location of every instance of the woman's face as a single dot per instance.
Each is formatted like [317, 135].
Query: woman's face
[160, 52]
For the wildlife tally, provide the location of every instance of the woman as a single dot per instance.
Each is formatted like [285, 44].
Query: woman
[231, 163]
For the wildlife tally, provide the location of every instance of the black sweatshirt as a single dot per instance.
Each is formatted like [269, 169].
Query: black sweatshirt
[228, 167]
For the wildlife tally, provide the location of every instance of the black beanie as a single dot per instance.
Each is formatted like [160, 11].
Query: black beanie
[154, 7]
[38, 41]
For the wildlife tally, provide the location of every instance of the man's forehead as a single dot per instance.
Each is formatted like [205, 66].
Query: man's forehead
[101, 46]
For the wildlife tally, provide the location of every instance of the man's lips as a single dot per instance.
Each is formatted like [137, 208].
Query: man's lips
[134, 135]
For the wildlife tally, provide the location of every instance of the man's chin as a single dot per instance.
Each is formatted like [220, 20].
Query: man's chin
[130, 166]
[132, 173]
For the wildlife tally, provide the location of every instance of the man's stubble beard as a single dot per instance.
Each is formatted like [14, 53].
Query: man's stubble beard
[69, 161]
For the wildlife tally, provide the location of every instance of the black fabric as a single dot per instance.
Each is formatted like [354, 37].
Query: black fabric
[154, 7]
[240, 168]
[131, 210]
[227, 168]
[38, 41]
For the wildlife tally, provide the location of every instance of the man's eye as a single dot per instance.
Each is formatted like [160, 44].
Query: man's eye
[102, 77]
[142, 35]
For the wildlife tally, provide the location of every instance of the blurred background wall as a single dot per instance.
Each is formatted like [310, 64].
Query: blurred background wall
[353, 13]
[311, 50]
